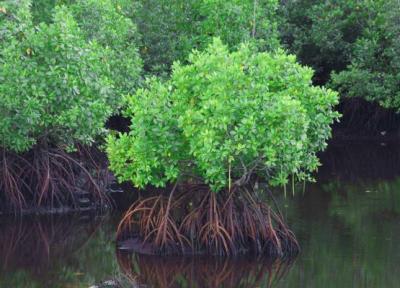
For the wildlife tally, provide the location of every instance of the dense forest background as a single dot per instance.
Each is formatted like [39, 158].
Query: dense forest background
[352, 45]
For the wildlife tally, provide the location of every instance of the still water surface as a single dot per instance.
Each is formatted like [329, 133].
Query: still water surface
[348, 225]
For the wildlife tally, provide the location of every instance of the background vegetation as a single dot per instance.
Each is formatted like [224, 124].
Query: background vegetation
[353, 45]
[172, 29]
[374, 71]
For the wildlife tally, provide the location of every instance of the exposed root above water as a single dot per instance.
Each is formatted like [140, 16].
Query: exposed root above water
[195, 220]
[50, 177]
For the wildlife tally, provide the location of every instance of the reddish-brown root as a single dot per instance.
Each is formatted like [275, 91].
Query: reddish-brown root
[50, 177]
[196, 220]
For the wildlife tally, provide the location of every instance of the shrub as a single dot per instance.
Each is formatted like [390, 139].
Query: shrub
[55, 94]
[59, 84]
[374, 72]
[171, 29]
[52, 79]
[323, 33]
[224, 117]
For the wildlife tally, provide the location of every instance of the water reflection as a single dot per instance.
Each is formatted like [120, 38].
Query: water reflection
[174, 272]
[348, 222]
[49, 251]
[348, 225]
[360, 162]
[349, 234]
[34, 242]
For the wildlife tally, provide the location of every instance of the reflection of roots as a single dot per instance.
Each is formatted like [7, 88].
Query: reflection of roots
[196, 220]
[49, 177]
[35, 243]
[178, 271]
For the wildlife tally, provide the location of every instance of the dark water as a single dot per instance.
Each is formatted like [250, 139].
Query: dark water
[348, 225]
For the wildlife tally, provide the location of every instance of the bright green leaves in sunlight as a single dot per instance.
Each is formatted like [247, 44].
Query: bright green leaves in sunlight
[57, 83]
[224, 116]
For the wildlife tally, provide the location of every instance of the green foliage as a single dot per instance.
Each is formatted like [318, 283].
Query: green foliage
[374, 73]
[15, 18]
[42, 10]
[223, 117]
[55, 85]
[171, 29]
[102, 21]
[323, 33]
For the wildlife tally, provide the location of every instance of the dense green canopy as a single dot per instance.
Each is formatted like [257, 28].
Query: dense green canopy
[223, 117]
[58, 83]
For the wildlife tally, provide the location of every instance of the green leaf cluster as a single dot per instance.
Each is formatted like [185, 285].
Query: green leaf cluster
[104, 21]
[223, 117]
[42, 10]
[57, 84]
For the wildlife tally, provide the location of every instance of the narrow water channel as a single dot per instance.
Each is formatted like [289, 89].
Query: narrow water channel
[347, 223]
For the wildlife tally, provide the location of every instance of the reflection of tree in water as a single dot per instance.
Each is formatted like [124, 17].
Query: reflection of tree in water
[32, 247]
[349, 233]
[211, 272]
[352, 161]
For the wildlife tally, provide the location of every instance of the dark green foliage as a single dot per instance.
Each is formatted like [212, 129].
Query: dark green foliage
[171, 29]
[323, 33]
[15, 18]
[357, 41]
[374, 73]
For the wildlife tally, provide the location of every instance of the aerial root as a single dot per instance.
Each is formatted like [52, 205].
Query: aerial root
[195, 220]
[50, 177]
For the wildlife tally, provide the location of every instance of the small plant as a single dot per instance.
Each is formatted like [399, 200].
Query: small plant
[220, 120]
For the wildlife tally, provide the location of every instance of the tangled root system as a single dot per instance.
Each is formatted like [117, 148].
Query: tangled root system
[50, 177]
[195, 220]
[176, 271]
